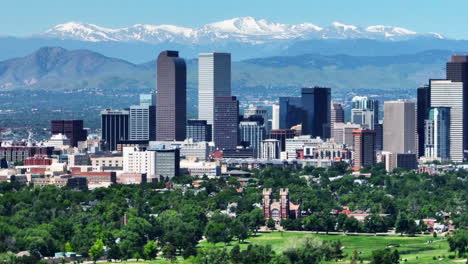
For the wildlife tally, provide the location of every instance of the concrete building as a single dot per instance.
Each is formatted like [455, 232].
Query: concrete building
[214, 80]
[139, 160]
[142, 122]
[450, 94]
[327, 150]
[107, 161]
[298, 143]
[201, 169]
[171, 105]
[58, 141]
[195, 150]
[364, 148]
[275, 114]
[337, 114]
[399, 126]
[270, 149]
[256, 112]
[342, 133]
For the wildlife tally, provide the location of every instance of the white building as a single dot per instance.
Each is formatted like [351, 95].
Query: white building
[275, 113]
[445, 93]
[58, 141]
[298, 143]
[342, 133]
[195, 150]
[214, 79]
[200, 169]
[139, 122]
[270, 149]
[139, 161]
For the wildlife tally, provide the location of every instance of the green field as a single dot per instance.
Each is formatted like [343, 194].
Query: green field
[413, 249]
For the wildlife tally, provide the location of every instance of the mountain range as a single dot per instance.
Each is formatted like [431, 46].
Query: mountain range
[243, 37]
[241, 29]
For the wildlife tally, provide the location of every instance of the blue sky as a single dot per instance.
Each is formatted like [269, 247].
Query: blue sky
[24, 17]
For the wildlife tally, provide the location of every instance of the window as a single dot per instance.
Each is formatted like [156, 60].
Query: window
[275, 213]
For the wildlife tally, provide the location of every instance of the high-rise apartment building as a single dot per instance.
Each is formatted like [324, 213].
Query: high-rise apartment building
[399, 126]
[72, 129]
[446, 93]
[316, 104]
[114, 127]
[364, 148]
[142, 122]
[171, 105]
[365, 111]
[422, 109]
[199, 130]
[214, 80]
[226, 120]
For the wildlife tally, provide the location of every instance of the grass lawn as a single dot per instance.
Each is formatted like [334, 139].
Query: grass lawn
[415, 249]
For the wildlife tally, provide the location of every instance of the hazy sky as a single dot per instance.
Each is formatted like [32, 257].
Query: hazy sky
[447, 17]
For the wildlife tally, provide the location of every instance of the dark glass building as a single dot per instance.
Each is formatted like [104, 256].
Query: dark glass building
[291, 112]
[199, 130]
[73, 129]
[114, 127]
[171, 105]
[226, 120]
[422, 112]
[316, 104]
[457, 71]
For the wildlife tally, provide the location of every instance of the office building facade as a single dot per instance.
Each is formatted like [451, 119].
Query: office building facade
[226, 120]
[214, 80]
[72, 129]
[199, 130]
[316, 104]
[445, 93]
[142, 122]
[437, 134]
[171, 104]
[399, 133]
[364, 148]
[422, 109]
[114, 127]
[251, 134]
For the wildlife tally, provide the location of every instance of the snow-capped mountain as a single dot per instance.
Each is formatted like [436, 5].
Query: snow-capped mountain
[243, 29]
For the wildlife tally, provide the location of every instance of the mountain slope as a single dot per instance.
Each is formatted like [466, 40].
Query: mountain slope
[242, 29]
[57, 69]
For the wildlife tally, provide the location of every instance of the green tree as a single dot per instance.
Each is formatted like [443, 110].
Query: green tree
[150, 251]
[271, 224]
[169, 252]
[256, 219]
[97, 250]
[385, 256]
[458, 242]
[68, 247]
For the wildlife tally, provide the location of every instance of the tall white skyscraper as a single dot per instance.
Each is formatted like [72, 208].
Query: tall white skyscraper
[445, 93]
[399, 126]
[214, 80]
[275, 114]
[365, 111]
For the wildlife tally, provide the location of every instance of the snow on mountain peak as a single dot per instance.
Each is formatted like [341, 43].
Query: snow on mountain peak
[241, 29]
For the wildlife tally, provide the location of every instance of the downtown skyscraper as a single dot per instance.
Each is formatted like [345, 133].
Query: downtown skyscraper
[214, 80]
[171, 106]
[316, 103]
[399, 127]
